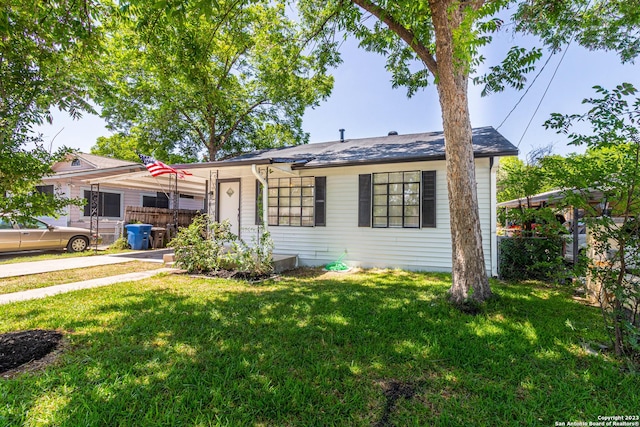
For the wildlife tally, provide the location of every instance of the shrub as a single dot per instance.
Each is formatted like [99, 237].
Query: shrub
[255, 260]
[196, 253]
[120, 244]
[538, 258]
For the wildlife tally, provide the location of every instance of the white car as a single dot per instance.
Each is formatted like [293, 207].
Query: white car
[34, 234]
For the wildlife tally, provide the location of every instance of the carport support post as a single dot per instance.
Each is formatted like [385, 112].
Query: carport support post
[576, 235]
[94, 216]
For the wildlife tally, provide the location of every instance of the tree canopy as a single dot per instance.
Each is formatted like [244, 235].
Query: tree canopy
[206, 84]
[43, 47]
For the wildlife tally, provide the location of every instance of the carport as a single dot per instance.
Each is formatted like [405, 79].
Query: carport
[169, 184]
[556, 198]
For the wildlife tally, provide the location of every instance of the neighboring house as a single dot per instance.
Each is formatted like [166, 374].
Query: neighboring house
[383, 201]
[72, 179]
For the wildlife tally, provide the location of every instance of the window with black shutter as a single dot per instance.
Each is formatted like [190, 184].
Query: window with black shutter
[396, 199]
[428, 198]
[364, 200]
[292, 201]
[320, 204]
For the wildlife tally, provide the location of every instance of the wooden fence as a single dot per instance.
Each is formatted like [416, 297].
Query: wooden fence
[158, 217]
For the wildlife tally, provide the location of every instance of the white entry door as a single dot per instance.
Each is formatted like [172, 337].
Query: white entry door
[229, 204]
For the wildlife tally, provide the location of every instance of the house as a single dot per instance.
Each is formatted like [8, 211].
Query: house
[382, 201]
[74, 176]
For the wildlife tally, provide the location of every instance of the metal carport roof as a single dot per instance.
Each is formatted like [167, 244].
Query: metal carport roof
[192, 185]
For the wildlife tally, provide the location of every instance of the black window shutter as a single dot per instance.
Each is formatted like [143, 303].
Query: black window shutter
[321, 198]
[162, 200]
[364, 200]
[428, 198]
[259, 202]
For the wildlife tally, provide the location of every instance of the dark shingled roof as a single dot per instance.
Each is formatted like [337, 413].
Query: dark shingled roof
[487, 142]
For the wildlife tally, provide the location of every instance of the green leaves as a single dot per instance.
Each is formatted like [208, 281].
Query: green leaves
[212, 82]
[599, 24]
[518, 62]
[614, 118]
[43, 48]
[610, 171]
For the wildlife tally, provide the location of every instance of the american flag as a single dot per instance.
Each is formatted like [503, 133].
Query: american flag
[156, 167]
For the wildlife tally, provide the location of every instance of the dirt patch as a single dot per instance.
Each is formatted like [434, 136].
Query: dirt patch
[394, 390]
[17, 349]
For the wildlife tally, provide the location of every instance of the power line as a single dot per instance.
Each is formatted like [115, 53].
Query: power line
[545, 93]
[586, 7]
[525, 92]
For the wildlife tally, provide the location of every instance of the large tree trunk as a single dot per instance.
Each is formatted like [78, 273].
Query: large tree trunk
[469, 272]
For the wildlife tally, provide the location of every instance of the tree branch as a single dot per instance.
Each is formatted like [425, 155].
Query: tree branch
[193, 126]
[242, 116]
[423, 52]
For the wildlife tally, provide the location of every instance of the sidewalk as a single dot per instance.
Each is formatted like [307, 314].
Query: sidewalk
[37, 267]
[68, 287]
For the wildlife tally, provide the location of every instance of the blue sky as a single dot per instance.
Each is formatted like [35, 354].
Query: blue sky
[364, 104]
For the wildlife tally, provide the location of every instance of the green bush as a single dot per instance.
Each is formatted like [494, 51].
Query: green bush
[120, 243]
[255, 260]
[196, 253]
[538, 258]
[223, 250]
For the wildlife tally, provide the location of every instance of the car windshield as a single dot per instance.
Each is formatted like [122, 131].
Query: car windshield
[5, 224]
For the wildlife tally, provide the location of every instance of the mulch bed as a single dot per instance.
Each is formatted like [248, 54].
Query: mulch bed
[19, 348]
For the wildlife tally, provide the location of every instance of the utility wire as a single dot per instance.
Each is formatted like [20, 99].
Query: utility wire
[536, 77]
[525, 92]
[545, 93]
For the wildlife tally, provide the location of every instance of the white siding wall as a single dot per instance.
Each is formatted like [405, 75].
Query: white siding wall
[195, 204]
[415, 249]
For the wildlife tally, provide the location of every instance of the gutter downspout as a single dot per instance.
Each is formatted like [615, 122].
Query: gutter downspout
[493, 218]
[265, 194]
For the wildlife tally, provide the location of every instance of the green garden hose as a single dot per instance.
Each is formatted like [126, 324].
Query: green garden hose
[337, 265]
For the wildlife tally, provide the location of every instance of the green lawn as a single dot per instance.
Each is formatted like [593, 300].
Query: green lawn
[374, 348]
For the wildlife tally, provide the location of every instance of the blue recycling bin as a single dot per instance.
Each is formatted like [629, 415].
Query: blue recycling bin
[138, 235]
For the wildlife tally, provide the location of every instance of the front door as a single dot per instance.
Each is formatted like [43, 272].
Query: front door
[229, 204]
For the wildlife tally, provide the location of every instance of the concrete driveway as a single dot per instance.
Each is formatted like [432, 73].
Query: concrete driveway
[37, 267]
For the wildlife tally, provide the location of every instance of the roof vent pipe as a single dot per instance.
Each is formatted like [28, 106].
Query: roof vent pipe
[341, 135]
[392, 132]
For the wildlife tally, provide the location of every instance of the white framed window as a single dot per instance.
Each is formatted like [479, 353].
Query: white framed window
[397, 199]
[292, 201]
